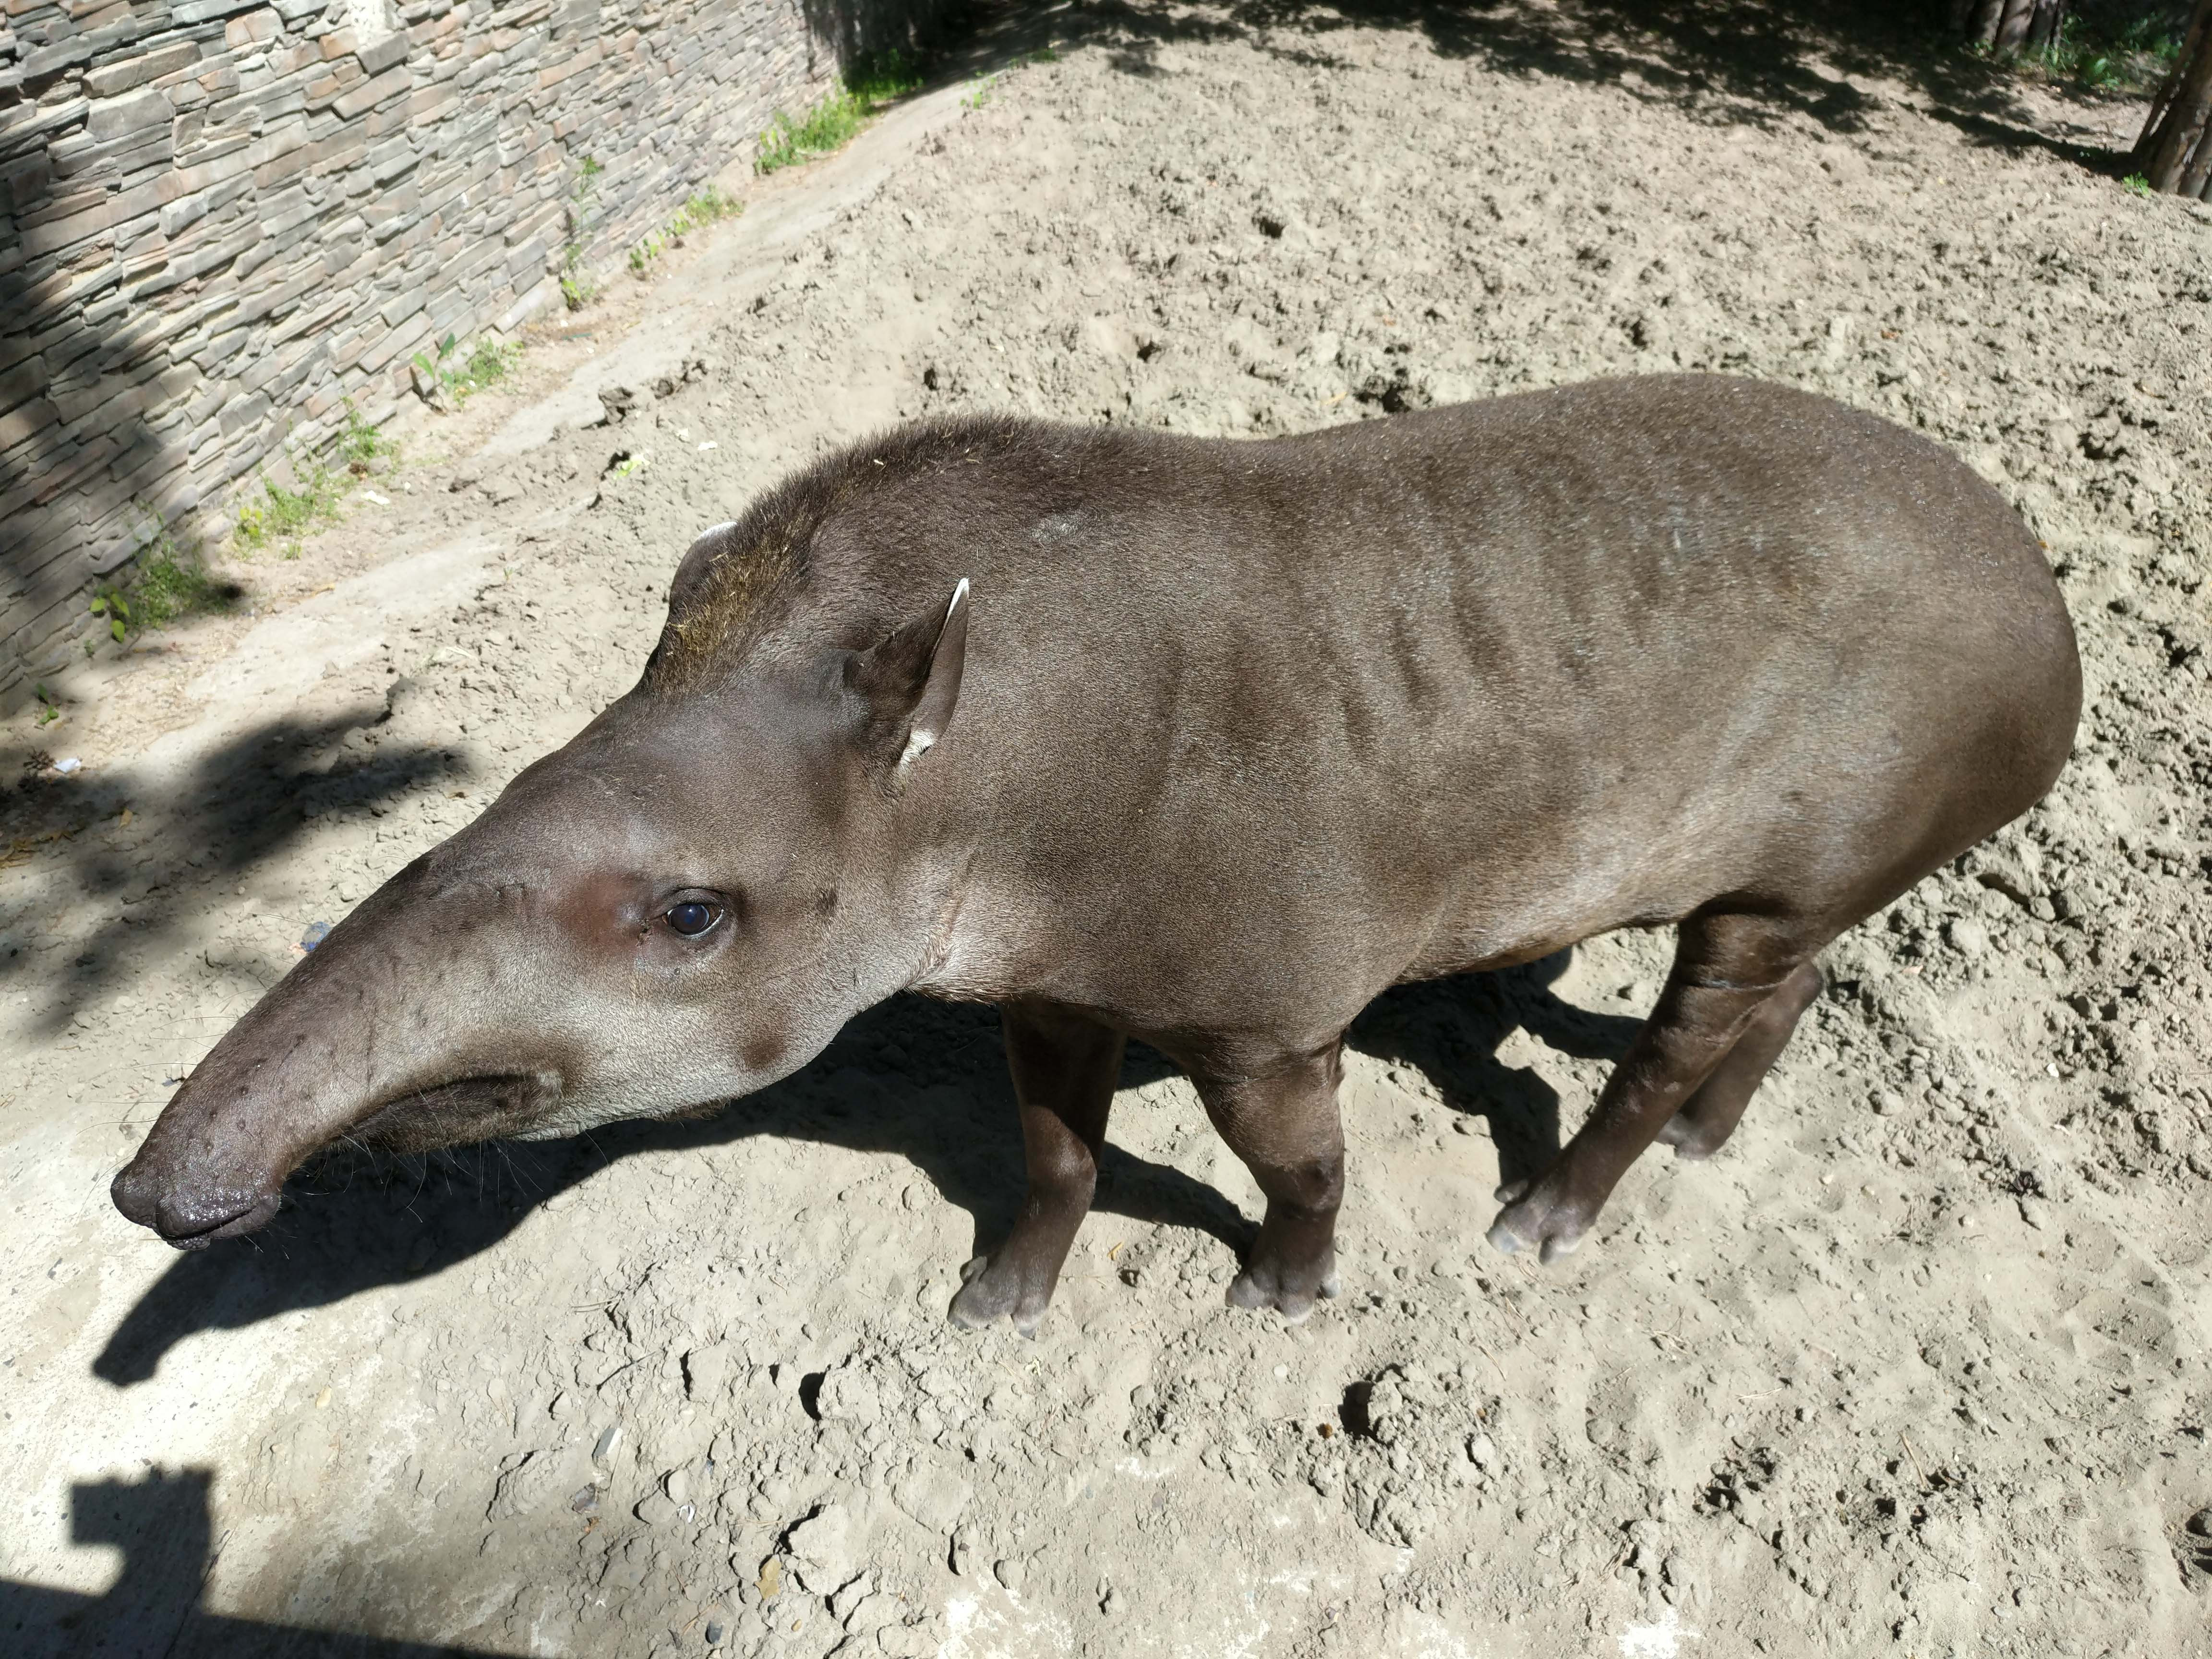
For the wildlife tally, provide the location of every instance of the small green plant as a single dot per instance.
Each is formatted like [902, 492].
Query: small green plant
[704, 207]
[280, 513]
[832, 124]
[107, 601]
[577, 290]
[2090, 49]
[489, 361]
[49, 710]
[172, 584]
[359, 443]
[2136, 183]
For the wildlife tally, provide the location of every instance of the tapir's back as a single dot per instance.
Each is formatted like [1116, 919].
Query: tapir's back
[1458, 687]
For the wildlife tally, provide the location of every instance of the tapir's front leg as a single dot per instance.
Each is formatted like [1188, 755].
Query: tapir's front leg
[1284, 1123]
[1065, 1067]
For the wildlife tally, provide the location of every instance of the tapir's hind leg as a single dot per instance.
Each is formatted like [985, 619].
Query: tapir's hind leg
[1708, 1117]
[1065, 1067]
[1285, 1125]
[1727, 970]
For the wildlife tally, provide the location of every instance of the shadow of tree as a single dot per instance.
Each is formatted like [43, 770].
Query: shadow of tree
[1760, 63]
[925, 1080]
[238, 805]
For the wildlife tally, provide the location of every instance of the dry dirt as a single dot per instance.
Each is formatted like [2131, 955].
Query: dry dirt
[1918, 1366]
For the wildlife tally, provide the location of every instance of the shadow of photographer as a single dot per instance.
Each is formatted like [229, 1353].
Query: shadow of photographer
[163, 1523]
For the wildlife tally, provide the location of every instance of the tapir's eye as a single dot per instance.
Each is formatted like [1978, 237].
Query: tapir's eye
[693, 916]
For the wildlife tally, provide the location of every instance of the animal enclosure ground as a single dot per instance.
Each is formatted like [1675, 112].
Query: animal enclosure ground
[1917, 1366]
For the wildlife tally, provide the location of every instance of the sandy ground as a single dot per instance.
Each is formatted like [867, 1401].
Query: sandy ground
[1918, 1366]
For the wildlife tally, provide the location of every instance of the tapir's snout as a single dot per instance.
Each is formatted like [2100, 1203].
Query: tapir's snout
[191, 1218]
[198, 1177]
[298, 1073]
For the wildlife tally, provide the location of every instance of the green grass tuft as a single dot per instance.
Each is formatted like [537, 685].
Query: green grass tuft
[2105, 53]
[171, 585]
[488, 362]
[703, 207]
[167, 584]
[359, 443]
[283, 514]
[832, 124]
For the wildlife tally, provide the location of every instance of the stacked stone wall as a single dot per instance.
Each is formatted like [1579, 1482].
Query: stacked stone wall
[225, 223]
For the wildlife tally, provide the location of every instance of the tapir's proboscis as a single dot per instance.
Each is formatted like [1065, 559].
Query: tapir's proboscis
[1205, 743]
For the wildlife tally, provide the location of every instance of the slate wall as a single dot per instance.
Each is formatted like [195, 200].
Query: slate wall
[222, 219]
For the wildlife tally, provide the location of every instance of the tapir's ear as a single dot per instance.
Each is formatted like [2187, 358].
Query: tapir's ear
[909, 682]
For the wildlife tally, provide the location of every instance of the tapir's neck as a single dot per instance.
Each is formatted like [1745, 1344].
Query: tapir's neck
[954, 938]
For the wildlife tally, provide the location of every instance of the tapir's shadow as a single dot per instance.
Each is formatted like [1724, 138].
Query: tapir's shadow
[925, 1080]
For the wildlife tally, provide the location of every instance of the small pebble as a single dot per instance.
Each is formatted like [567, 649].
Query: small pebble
[1968, 937]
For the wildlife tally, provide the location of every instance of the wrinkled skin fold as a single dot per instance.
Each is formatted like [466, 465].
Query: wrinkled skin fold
[1203, 742]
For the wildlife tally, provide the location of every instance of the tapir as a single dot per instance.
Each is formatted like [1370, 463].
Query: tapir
[1205, 743]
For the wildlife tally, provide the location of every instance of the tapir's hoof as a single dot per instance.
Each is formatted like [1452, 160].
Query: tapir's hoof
[1256, 1288]
[1533, 1219]
[992, 1292]
[1692, 1143]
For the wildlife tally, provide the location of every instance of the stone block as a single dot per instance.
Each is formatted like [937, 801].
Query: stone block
[173, 383]
[144, 465]
[63, 204]
[255, 29]
[186, 12]
[213, 163]
[397, 344]
[388, 160]
[25, 381]
[432, 103]
[188, 211]
[43, 61]
[109, 414]
[218, 351]
[59, 234]
[246, 410]
[111, 118]
[371, 93]
[403, 305]
[585, 56]
[381, 55]
[25, 420]
[109, 79]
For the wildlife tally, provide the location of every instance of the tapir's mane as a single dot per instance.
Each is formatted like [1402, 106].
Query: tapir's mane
[730, 595]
